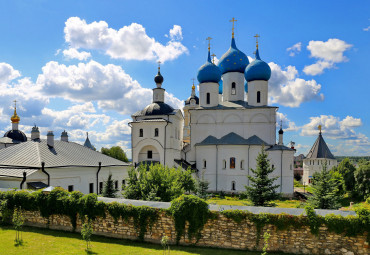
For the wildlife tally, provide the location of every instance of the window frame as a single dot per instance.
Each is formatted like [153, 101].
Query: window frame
[233, 88]
[232, 162]
[156, 132]
[141, 132]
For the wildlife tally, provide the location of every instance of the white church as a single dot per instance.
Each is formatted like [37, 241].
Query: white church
[222, 131]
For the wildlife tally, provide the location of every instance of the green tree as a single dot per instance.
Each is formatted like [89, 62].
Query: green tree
[115, 152]
[262, 189]
[347, 170]
[109, 190]
[324, 190]
[86, 232]
[18, 221]
[157, 183]
[201, 187]
[362, 177]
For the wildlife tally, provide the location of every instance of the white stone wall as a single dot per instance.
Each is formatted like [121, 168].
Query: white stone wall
[311, 166]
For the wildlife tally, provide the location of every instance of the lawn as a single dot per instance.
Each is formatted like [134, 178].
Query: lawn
[228, 200]
[43, 241]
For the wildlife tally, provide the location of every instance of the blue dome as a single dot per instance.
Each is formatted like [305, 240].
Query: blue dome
[257, 70]
[220, 84]
[209, 72]
[233, 60]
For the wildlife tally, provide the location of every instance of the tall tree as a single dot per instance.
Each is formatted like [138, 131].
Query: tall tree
[325, 190]
[262, 189]
[109, 190]
[347, 170]
[115, 152]
[362, 177]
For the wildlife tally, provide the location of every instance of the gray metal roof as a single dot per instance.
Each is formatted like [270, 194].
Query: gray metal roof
[278, 147]
[16, 172]
[232, 139]
[320, 149]
[150, 120]
[32, 153]
[157, 108]
[229, 105]
[213, 207]
[88, 143]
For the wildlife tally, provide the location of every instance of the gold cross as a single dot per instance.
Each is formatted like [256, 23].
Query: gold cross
[159, 65]
[15, 103]
[213, 58]
[257, 36]
[209, 42]
[319, 127]
[233, 21]
[193, 79]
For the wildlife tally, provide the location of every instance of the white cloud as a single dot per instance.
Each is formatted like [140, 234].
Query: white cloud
[129, 42]
[288, 125]
[350, 121]
[287, 89]
[367, 28]
[72, 53]
[8, 73]
[295, 49]
[108, 85]
[328, 53]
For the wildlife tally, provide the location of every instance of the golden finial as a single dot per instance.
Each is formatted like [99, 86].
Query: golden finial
[233, 21]
[213, 58]
[193, 87]
[159, 66]
[15, 118]
[209, 42]
[319, 128]
[256, 36]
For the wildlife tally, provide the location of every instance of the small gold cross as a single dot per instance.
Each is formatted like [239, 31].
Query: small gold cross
[257, 36]
[209, 42]
[233, 21]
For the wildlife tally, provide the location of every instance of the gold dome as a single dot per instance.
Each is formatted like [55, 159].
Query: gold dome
[15, 118]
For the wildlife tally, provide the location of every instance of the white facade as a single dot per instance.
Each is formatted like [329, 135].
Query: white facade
[311, 166]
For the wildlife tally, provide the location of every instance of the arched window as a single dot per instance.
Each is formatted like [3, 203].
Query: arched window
[204, 163]
[233, 88]
[156, 132]
[242, 164]
[232, 163]
[224, 164]
[141, 132]
[233, 185]
[208, 98]
[258, 96]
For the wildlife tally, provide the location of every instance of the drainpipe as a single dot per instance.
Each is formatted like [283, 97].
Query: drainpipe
[43, 170]
[132, 146]
[216, 167]
[281, 172]
[97, 179]
[24, 179]
[165, 136]
[248, 165]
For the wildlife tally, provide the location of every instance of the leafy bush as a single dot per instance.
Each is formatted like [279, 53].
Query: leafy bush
[109, 190]
[158, 183]
[362, 176]
[191, 209]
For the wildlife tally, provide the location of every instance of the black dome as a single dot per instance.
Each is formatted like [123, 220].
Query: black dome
[187, 102]
[16, 135]
[281, 132]
[158, 78]
[157, 109]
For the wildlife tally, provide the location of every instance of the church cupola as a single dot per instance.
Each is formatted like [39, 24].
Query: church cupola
[193, 100]
[208, 76]
[281, 133]
[15, 118]
[257, 75]
[158, 92]
[232, 65]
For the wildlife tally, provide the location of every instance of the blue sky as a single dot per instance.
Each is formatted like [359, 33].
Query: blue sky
[87, 65]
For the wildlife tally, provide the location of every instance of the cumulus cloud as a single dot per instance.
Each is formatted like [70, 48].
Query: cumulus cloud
[108, 85]
[72, 53]
[367, 28]
[129, 42]
[295, 49]
[328, 54]
[288, 125]
[287, 89]
[8, 73]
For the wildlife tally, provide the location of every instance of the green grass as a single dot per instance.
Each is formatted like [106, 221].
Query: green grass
[44, 241]
[288, 203]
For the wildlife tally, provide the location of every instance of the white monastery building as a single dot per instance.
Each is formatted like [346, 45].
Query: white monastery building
[222, 131]
[319, 156]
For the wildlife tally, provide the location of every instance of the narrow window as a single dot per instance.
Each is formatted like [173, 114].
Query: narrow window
[208, 98]
[70, 188]
[313, 162]
[156, 132]
[100, 187]
[329, 162]
[150, 154]
[116, 185]
[123, 183]
[91, 188]
[258, 96]
[233, 88]
[232, 163]
[224, 164]
[242, 165]
[141, 132]
[232, 185]
[204, 163]
[273, 166]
